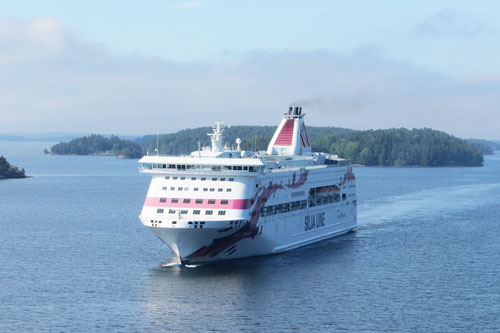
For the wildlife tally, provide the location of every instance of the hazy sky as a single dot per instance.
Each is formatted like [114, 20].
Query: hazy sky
[134, 67]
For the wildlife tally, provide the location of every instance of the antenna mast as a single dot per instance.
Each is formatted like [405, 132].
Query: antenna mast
[157, 144]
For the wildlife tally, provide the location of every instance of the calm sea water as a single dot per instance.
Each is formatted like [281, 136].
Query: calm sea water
[74, 257]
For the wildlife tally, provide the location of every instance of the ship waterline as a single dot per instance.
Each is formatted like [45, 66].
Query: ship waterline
[223, 203]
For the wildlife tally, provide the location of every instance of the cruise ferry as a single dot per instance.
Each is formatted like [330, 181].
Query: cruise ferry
[222, 202]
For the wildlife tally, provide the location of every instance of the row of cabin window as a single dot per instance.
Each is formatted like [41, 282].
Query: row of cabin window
[283, 208]
[183, 167]
[319, 199]
[197, 201]
[196, 189]
[185, 211]
[201, 178]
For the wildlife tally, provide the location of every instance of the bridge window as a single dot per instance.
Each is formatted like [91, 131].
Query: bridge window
[167, 177]
[163, 199]
[228, 190]
[196, 212]
[195, 189]
[171, 211]
[199, 201]
[187, 201]
[220, 189]
[211, 202]
[208, 212]
[175, 200]
[193, 178]
[184, 211]
[212, 189]
[224, 202]
[159, 211]
[222, 212]
[214, 179]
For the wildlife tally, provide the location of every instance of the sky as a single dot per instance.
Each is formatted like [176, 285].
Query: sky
[158, 66]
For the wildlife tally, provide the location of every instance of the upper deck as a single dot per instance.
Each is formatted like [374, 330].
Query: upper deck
[289, 149]
[235, 166]
[200, 165]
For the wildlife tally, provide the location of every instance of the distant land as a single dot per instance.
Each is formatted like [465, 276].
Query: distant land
[9, 171]
[98, 145]
[50, 136]
[385, 147]
[485, 146]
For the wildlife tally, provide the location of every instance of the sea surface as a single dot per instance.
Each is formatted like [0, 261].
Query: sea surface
[74, 257]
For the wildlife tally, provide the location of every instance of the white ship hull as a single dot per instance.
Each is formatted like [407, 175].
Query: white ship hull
[249, 231]
[276, 234]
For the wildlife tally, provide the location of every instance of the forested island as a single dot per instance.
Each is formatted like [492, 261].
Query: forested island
[9, 171]
[402, 147]
[386, 147]
[98, 145]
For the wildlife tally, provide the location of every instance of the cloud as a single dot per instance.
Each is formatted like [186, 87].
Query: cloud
[451, 23]
[189, 4]
[52, 81]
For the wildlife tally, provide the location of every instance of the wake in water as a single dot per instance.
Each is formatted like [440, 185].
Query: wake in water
[175, 262]
[172, 262]
[427, 203]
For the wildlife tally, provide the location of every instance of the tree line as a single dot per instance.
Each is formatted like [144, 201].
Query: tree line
[253, 138]
[98, 145]
[485, 146]
[402, 147]
[387, 147]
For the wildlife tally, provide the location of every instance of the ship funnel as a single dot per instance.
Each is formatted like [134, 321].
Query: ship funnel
[291, 136]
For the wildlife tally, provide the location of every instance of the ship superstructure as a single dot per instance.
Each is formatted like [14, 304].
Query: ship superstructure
[224, 203]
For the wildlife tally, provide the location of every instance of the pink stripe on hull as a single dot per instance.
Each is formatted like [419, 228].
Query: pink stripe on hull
[231, 204]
